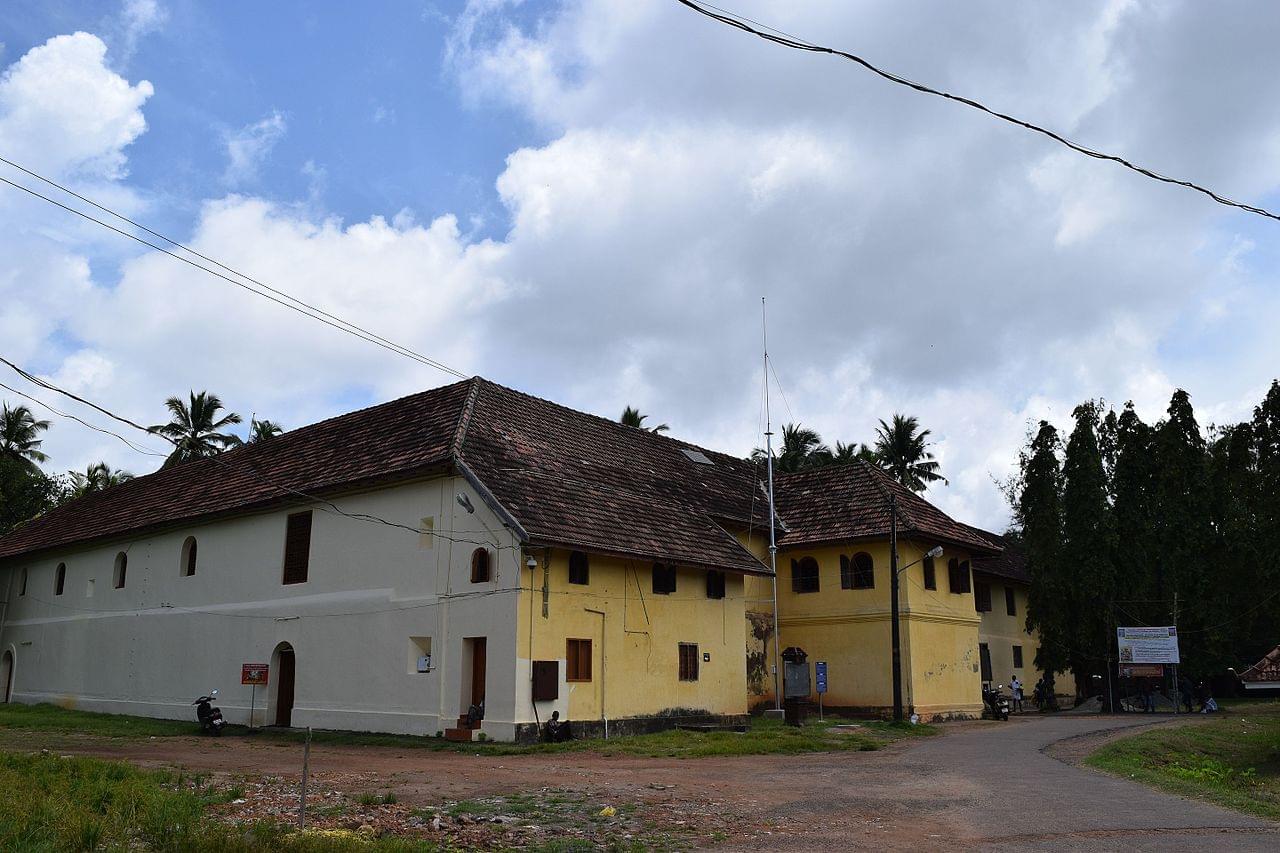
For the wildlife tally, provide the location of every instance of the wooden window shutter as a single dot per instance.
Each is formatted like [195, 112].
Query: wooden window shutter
[297, 547]
[546, 680]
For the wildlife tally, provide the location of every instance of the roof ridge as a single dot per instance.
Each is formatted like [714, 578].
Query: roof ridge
[613, 424]
[464, 417]
[878, 478]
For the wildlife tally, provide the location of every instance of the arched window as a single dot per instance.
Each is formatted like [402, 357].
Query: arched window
[480, 565]
[59, 578]
[22, 582]
[857, 572]
[579, 568]
[122, 564]
[930, 574]
[958, 576]
[804, 575]
[188, 567]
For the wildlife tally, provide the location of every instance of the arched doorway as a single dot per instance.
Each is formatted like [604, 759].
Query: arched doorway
[282, 671]
[6, 675]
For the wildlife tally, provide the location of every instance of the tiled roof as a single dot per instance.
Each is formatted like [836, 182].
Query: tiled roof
[579, 480]
[1010, 563]
[1266, 670]
[391, 441]
[565, 477]
[842, 502]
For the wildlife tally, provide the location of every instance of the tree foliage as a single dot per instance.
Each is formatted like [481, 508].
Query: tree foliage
[20, 435]
[194, 427]
[1140, 524]
[631, 417]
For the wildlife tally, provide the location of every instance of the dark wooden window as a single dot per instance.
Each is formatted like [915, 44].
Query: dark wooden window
[297, 547]
[930, 574]
[59, 578]
[189, 557]
[688, 661]
[984, 657]
[958, 576]
[664, 579]
[577, 660]
[546, 680]
[1010, 606]
[122, 566]
[804, 575]
[982, 597]
[715, 584]
[857, 572]
[1017, 657]
[480, 566]
[579, 568]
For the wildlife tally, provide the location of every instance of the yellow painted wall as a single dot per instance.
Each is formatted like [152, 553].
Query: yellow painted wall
[635, 656]
[850, 629]
[1001, 632]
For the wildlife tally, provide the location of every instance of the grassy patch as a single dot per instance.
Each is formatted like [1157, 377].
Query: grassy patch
[49, 803]
[764, 737]
[1232, 760]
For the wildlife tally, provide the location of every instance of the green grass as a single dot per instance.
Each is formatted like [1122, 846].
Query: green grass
[1232, 760]
[764, 737]
[50, 803]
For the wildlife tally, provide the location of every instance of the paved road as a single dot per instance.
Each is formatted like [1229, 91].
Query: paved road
[994, 788]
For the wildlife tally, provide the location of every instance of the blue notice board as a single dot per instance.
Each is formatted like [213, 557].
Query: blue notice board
[820, 675]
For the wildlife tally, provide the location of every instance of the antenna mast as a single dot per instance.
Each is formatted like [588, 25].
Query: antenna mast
[773, 543]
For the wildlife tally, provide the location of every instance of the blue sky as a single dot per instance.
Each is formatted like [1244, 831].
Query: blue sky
[587, 200]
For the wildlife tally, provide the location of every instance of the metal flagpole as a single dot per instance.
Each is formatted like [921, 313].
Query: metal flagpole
[773, 542]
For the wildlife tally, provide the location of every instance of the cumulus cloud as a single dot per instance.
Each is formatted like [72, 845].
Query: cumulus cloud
[64, 112]
[917, 257]
[249, 147]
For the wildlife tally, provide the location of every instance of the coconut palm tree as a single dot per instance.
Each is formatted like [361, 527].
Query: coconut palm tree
[96, 478]
[19, 435]
[845, 454]
[631, 417]
[902, 448]
[262, 430]
[801, 449]
[193, 429]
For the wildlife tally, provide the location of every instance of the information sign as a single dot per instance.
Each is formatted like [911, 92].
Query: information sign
[253, 673]
[820, 675]
[1148, 645]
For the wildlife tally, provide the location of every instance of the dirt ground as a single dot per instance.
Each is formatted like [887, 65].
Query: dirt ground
[960, 789]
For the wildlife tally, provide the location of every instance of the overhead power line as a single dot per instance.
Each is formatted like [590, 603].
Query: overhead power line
[327, 505]
[745, 24]
[275, 295]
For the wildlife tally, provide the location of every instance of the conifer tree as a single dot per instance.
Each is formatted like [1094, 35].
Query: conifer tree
[1038, 513]
[1088, 549]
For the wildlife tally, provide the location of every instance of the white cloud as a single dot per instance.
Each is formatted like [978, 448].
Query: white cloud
[138, 19]
[64, 112]
[917, 257]
[249, 147]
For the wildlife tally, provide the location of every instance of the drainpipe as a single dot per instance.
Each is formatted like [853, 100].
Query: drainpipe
[603, 713]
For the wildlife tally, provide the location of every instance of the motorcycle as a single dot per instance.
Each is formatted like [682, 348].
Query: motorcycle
[210, 717]
[995, 702]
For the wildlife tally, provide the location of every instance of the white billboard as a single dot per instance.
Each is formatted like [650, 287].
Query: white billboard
[1148, 645]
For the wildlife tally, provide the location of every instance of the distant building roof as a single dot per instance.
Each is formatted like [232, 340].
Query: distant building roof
[559, 476]
[842, 502]
[1265, 671]
[1010, 563]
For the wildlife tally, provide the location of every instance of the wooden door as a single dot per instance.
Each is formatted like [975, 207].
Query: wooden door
[284, 689]
[478, 650]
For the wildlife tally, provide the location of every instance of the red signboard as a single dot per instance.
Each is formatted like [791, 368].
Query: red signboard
[1142, 670]
[253, 673]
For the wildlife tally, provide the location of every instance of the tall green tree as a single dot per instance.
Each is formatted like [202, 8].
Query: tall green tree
[26, 492]
[20, 435]
[1133, 477]
[903, 450]
[194, 427]
[1038, 515]
[1088, 549]
[261, 430]
[96, 478]
[1236, 629]
[631, 417]
[844, 454]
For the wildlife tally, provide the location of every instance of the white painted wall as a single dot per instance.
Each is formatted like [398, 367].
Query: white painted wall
[164, 639]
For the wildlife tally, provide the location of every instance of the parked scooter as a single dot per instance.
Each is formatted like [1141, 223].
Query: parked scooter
[995, 702]
[209, 716]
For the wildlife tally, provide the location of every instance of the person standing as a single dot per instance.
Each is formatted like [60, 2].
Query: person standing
[1016, 686]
